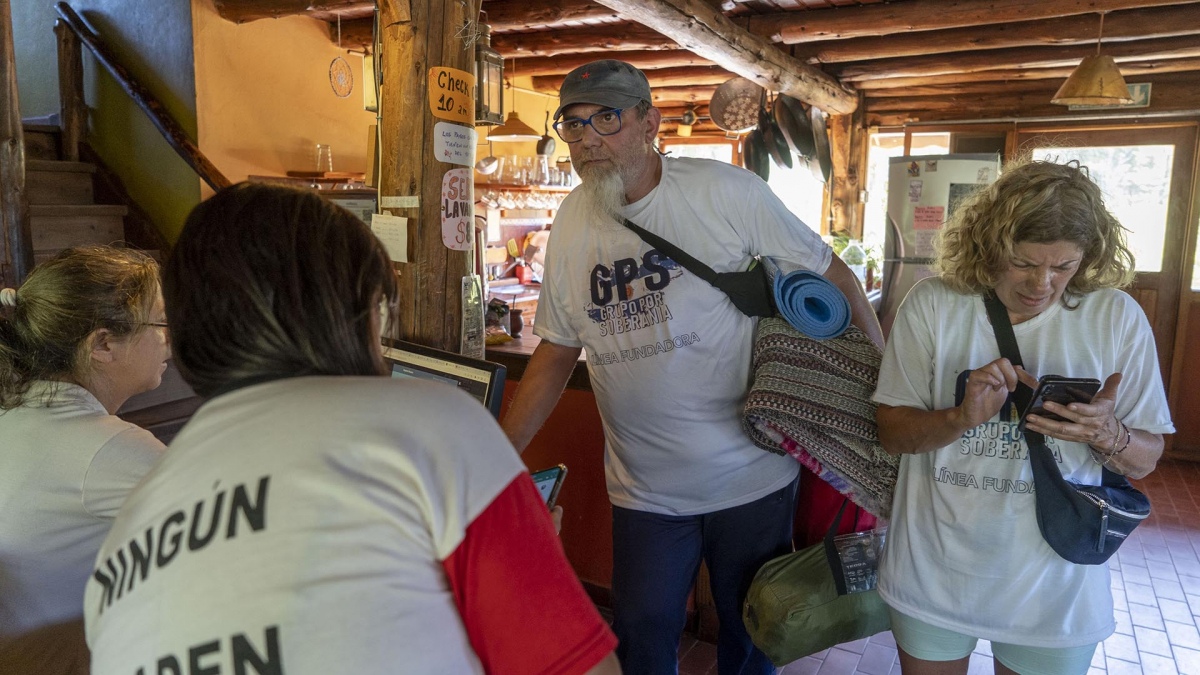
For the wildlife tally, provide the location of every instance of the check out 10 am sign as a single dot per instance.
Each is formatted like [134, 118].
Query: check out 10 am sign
[452, 95]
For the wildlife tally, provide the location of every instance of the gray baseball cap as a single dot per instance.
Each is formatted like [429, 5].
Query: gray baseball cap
[610, 83]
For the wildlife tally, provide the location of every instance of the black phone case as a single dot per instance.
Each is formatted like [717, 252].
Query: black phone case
[1061, 390]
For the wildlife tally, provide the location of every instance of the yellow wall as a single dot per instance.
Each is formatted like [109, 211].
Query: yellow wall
[264, 99]
[153, 40]
[532, 110]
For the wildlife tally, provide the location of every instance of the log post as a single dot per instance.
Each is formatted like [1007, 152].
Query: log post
[72, 107]
[419, 35]
[848, 148]
[16, 245]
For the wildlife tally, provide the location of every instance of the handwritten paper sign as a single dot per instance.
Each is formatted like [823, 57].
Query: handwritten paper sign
[454, 144]
[458, 210]
[452, 94]
[393, 232]
[928, 217]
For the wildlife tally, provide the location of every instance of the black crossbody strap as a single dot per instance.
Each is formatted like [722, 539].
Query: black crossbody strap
[1009, 350]
[677, 254]
[1007, 340]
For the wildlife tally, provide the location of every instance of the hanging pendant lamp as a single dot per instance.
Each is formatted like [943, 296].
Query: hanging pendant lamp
[1096, 81]
[513, 128]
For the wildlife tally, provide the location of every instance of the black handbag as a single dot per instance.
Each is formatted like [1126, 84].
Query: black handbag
[1084, 524]
[750, 291]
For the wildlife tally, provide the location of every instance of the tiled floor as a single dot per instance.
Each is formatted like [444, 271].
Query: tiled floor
[1156, 591]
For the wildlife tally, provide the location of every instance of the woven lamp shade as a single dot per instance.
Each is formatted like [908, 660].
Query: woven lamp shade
[513, 129]
[1096, 81]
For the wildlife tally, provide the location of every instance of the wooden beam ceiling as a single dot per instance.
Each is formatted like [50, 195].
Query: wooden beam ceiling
[561, 65]
[240, 11]
[707, 32]
[1138, 24]
[1029, 57]
[923, 15]
[666, 77]
[1170, 93]
[584, 39]
[1131, 71]
[518, 15]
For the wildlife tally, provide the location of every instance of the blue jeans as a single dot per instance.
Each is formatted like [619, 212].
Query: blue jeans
[655, 561]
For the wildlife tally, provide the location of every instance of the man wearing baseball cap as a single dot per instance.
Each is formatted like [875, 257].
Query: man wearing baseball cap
[669, 361]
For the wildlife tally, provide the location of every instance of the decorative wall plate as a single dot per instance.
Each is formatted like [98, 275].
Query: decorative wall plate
[341, 78]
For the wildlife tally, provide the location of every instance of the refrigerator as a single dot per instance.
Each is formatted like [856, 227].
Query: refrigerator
[922, 193]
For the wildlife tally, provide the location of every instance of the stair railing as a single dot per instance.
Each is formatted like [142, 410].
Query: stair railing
[16, 249]
[73, 32]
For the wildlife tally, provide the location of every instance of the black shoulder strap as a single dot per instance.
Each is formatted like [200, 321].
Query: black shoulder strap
[1007, 340]
[677, 254]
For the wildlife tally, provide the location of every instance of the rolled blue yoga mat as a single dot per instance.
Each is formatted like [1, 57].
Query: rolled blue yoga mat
[812, 304]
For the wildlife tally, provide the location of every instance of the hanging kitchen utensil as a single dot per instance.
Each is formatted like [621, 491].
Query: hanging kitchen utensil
[821, 140]
[545, 146]
[488, 165]
[734, 105]
[793, 122]
[754, 154]
[777, 146]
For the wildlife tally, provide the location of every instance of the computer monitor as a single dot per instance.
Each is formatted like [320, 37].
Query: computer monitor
[481, 379]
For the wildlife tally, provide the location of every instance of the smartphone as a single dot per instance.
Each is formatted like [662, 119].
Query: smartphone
[1061, 390]
[548, 482]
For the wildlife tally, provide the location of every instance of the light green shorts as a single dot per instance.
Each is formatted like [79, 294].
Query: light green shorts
[930, 643]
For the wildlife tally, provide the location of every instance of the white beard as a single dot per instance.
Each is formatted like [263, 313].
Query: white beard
[604, 194]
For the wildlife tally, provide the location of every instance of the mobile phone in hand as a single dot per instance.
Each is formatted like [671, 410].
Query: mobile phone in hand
[1061, 390]
[549, 482]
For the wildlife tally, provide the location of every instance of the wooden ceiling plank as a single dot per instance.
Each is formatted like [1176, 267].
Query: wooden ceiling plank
[518, 15]
[646, 60]
[666, 77]
[704, 30]
[1131, 72]
[1166, 96]
[607, 37]
[881, 19]
[1028, 57]
[240, 11]
[1153, 22]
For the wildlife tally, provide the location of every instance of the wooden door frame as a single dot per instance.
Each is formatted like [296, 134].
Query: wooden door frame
[1170, 332]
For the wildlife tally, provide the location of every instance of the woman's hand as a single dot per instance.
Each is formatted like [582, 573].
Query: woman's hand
[987, 389]
[1092, 423]
[905, 430]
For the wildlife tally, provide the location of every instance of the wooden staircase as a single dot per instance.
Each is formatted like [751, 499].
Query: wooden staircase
[62, 208]
[63, 213]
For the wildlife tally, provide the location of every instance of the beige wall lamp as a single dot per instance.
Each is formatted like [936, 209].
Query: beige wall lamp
[1095, 81]
[684, 129]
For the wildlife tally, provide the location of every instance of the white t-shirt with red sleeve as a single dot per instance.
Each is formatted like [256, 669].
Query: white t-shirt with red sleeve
[334, 524]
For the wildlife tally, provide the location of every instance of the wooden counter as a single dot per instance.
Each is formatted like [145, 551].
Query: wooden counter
[515, 357]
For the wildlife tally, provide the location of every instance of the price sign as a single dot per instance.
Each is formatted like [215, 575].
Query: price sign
[452, 94]
[458, 210]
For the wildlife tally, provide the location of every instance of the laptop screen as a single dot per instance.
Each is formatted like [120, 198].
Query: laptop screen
[481, 379]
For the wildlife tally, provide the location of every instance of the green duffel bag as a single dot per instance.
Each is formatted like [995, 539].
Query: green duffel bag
[810, 600]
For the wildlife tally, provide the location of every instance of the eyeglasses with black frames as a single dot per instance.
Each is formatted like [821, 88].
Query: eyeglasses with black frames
[156, 324]
[605, 123]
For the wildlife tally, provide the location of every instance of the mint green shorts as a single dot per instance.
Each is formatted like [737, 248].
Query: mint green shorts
[930, 643]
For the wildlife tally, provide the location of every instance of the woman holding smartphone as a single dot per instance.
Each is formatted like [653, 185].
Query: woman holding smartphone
[316, 512]
[965, 558]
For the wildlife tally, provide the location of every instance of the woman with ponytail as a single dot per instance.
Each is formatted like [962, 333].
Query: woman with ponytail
[83, 334]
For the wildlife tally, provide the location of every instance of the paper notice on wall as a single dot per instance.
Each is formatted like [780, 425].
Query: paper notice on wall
[393, 232]
[454, 143]
[928, 217]
[915, 188]
[458, 210]
[452, 94]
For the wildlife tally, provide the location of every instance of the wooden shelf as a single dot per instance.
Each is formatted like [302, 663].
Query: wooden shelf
[523, 188]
